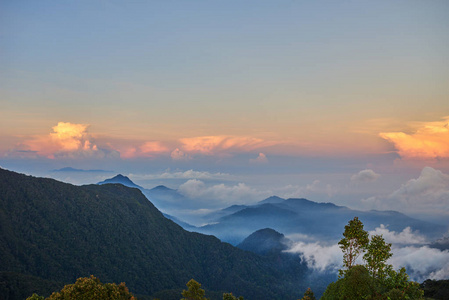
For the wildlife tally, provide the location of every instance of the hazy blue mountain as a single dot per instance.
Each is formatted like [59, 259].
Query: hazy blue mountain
[213, 216]
[272, 199]
[181, 223]
[121, 180]
[442, 244]
[58, 232]
[70, 169]
[271, 244]
[323, 221]
[265, 241]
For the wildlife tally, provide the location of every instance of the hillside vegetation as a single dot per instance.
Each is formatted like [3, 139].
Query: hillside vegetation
[58, 232]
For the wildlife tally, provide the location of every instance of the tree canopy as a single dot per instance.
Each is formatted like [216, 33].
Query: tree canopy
[376, 279]
[89, 288]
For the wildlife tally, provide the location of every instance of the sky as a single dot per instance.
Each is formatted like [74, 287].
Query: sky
[233, 101]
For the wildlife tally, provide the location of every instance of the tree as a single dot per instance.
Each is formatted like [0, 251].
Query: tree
[354, 242]
[194, 291]
[229, 296]
[376, 256]
[374, 280]
[308, 295]
[36, 297]
[92, 288]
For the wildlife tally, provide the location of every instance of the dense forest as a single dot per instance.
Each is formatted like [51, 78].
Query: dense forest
[57, 232]
[54, 234]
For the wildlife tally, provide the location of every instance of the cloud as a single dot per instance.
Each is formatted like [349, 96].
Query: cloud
[67, 140]
[430, 141]
[147, 149]
[189, 174]
[367, 175]
[429, 193]
[178, 155]
[220, 194]
[406, 236]
[421, 262]
[318, 257]
[213, 145]
[261, 159]
[314, 189]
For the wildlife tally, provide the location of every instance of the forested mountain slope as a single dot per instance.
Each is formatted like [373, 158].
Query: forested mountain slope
[59, 232]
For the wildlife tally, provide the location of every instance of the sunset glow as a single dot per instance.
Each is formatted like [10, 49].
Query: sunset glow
[336, 101]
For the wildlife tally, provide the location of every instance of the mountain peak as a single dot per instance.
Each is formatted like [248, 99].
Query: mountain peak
[162, 188]
[264, 241]
[272, 199]
[119, 178]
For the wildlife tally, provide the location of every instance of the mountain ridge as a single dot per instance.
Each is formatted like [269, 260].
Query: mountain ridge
[58, 231]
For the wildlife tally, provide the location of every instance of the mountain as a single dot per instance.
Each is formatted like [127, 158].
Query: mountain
[52, 231]
[272, 245]
[265, 241]
[272, 199]
[323, 221]
[70, 169]
[122, 180]
[442, 244]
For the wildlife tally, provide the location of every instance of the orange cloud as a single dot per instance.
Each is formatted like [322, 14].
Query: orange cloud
[67, 140]
[155, 147]
[148, 149]
[261, 159]
[431, 140]
[210, 145]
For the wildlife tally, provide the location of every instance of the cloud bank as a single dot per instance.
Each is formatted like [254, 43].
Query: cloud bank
[215, 145]
[421, 262]
[68, 140]
[429, 193]
[430, 141]
[220, 194]
[367, 175]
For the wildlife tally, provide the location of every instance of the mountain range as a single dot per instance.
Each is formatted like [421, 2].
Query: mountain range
[319, 221]
[53, 232]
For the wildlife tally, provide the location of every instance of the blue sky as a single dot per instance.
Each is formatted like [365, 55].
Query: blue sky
[343, 101]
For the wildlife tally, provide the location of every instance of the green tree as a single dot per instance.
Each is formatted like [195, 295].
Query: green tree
[356, 284]
[35, 297]
[229, 296]
[194, 291]
[308, 295]
[399, 286]
[376, 279]
[92, 288]
[354, 242]
[376, 256]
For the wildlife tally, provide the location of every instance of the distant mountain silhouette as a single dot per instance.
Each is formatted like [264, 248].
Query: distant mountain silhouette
[442, 244]
[265, 241]
[272, 199]
[70, 169]
[121, 180]
[319, 220]
[58, 232]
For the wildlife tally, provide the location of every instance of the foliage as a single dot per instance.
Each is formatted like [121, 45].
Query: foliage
[377, 253]
[92, 288]
[194, 291]
[436, 289]
[59, 232]
[229, 296]
[398, 283]
[376, 279]
[36, 297]
[354, 242]
[308, 295]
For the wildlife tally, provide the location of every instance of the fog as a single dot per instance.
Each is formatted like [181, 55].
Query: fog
[408, 248]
